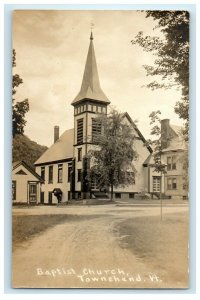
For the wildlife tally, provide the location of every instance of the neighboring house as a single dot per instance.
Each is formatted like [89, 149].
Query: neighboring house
[154, 180]
[26, 184]
[175, 156]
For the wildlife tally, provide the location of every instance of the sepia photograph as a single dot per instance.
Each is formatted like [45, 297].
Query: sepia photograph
[100, 137]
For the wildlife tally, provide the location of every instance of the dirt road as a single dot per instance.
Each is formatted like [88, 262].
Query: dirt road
[85, 252]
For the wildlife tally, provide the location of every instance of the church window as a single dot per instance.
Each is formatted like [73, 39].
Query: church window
[118, 195]
[131, 176]
[103, 109]
[43, 173]
[131, 195]
[98, 109]
[96, 129]
[79, 175]
[89, 107]
[50, 174]
[79, 154]
[80, 131]
[94, 183]
[60, 173]
[69, 171]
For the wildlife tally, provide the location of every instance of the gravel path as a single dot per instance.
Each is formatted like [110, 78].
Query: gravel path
[86, 253]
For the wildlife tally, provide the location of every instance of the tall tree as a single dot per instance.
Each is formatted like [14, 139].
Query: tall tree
[19, 109]
[112, 158]
[171, 56]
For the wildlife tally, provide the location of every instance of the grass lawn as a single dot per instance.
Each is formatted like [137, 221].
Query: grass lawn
[161, 245]
[25, 227]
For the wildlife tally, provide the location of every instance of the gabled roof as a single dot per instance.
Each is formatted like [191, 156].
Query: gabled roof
[61, 150]
[177, 129]
[90, 88]
[137, 130]
[149, 161]
[177, 142]
[26, 166]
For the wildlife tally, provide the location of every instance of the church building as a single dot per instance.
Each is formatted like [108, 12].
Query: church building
[64, 166]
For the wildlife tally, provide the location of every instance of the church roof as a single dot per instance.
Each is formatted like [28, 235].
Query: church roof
[61, 150]
[90, 88]
[137, 130]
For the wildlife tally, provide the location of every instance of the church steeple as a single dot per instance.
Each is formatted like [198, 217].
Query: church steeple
[90, 88]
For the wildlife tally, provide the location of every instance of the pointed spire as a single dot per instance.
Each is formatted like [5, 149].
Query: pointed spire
[90, 88]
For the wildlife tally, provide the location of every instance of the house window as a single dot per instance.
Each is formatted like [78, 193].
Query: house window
[96, 129]
[171, 184]
[156, 184]
[79, 154]
[69, 171]
[171, 163]
[14, 190]
[50, 174]
[60, 173]
[184, 184]
[118, 195]
[80, 131]
[79, 175]
[131, 195]
[43, 173]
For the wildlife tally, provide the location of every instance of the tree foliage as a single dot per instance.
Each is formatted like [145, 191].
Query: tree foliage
[26, 150]
[113, 156]
[171, 56]
[156, 142]
[19, 109]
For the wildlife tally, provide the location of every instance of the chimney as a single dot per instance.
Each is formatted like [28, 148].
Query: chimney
[56, 133]
[165, 133]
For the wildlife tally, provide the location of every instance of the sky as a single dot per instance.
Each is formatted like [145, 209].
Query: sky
[51, 49]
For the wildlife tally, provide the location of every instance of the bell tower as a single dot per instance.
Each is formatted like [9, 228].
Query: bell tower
[89, 102]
